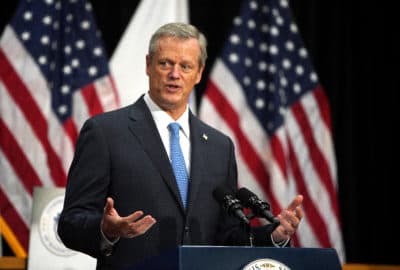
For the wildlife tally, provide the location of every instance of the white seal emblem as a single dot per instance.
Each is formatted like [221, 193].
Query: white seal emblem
[268, 264]
[48, 228]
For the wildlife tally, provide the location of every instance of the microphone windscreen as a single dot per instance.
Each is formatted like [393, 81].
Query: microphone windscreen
[221, 192]
[226, 197]
[243, 194]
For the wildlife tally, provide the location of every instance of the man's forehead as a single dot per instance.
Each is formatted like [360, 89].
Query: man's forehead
[182, 47]
[178, 41]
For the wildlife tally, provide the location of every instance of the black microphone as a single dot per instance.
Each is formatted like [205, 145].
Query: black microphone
[230, 203]
[259, 207]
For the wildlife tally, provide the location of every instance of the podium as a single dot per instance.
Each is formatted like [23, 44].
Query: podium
[239, 258]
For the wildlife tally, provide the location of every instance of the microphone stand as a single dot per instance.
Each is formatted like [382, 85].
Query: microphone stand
[249, 230]
[251, 236]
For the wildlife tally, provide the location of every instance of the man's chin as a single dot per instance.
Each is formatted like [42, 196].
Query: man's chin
[169, 104]
[172, 100]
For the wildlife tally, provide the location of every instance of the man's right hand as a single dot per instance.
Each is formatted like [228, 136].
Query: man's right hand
[114, 226]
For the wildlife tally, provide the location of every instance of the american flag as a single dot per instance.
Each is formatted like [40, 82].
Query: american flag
[53, 75]
[264, 93]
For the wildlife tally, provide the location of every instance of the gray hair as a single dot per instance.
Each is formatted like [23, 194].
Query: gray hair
[181, 31]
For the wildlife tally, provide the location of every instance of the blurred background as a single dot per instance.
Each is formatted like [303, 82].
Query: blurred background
[355, 51]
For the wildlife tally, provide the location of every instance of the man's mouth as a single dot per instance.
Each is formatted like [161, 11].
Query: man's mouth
[172, 87]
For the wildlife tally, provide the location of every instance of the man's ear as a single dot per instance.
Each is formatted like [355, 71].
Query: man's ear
[199, 74]
[148, 62]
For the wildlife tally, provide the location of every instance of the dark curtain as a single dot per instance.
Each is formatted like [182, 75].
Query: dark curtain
[355, 52]
[354, 48]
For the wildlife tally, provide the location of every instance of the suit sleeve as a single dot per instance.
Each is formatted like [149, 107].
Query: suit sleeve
[86, 192]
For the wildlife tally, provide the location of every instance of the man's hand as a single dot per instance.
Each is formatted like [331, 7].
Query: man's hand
[114, 226]
[289, 220]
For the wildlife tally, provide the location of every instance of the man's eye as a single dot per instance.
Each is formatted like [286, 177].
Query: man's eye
[186, 67]
[164, 64]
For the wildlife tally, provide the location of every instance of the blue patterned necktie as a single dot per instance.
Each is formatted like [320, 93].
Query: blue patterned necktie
[178, 161]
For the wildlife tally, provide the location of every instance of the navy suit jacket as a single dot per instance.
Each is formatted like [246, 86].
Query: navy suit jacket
[120, 154]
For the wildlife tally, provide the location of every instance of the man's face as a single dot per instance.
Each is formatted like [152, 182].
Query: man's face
[173, 71]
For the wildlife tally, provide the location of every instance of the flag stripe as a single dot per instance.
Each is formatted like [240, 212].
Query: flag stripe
[323, 132]
[247, 178]
[92, 102]
[79, 113]
[317, 221]
[107, 93]
[246, 149]
[23, 135]
[305, 234]
[23, 202]
[25, 101]
[231, 89]
[315, 187]
[318, 160]
[279, 155]
[25, 67]
[71, 130]
[17, 159]
[323, 106]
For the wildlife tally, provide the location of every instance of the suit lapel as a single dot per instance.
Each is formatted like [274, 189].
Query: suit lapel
[197, 141]
[143, 127]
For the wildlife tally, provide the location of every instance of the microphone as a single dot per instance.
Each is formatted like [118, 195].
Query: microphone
[226, 198]
[259, 208]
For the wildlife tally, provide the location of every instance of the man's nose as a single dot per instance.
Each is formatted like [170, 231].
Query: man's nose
[174, 72]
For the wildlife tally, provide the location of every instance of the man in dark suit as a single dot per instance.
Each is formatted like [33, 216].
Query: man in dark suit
[122, 201]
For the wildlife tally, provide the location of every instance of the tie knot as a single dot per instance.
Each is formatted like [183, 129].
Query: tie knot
[174, 128]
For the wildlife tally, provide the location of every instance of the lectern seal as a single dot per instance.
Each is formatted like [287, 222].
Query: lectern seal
[269, 264]
[48, 228]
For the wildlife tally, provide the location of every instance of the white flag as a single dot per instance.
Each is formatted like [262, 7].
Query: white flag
[128, 63]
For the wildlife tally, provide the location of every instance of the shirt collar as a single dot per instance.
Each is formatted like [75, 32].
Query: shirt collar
[163, 118]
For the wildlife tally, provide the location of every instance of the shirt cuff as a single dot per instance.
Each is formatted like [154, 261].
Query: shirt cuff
[281, 244]
[108, 241]
[106, 245]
